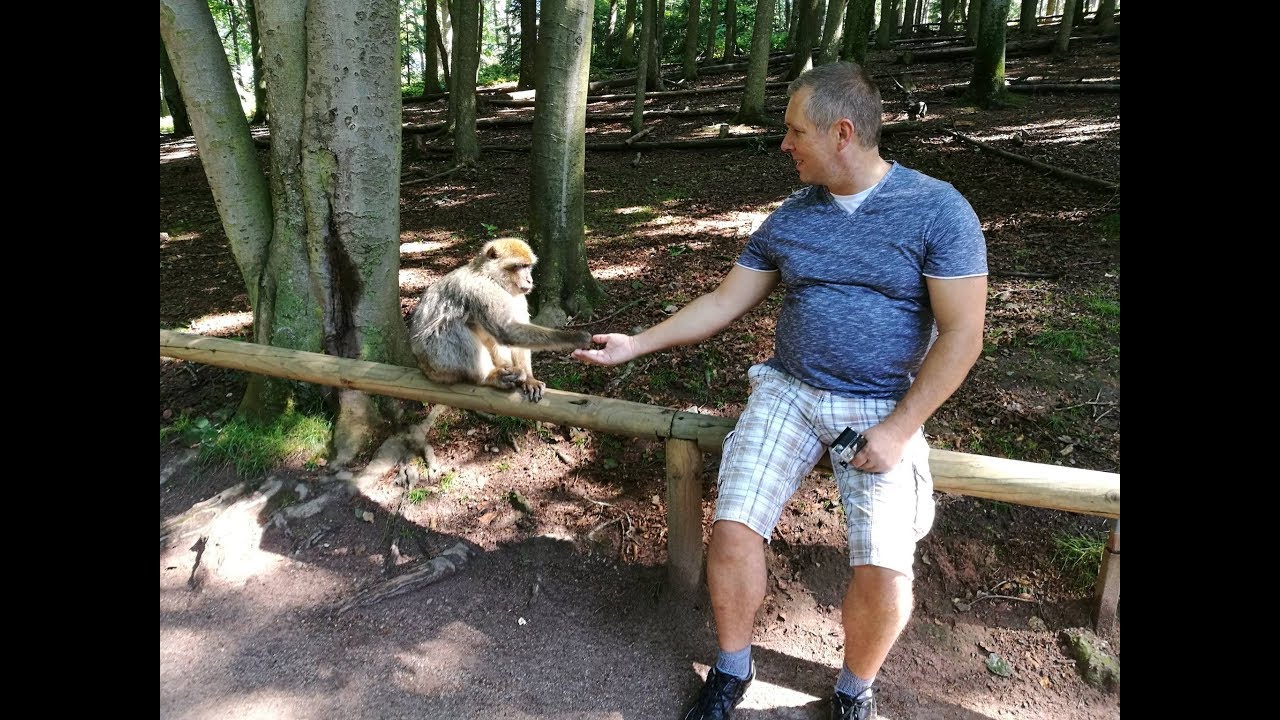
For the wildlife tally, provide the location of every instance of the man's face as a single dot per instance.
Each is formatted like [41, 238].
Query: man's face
[811, 149]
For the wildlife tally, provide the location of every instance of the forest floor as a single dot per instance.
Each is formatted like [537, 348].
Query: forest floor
[560, 613]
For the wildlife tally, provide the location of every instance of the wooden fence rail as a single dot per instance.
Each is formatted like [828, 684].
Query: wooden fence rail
[686, 435]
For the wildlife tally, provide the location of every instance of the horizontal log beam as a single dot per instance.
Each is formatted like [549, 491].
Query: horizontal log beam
[1051, 486]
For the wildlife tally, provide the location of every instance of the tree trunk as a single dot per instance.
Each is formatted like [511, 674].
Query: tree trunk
[908, 19]
[610, 28]
[563, 284]
[752, 109]
[1027, 18]
[973, 26]
[1062, 42]
[690, 68]
[805, 38]
[647, 10]
[987, 84]
[233, 19]
[628, 55]
[173, 95]
[1077, 19]
[833, 32]
[731, 31]
[1051, 7]
[259, 82]
[946, 22]
[528, 45]
[446, 45]
[431, 63]
[462, 96]
[857, 24]
[888, 24]
[655, 47]
[711, 30]
[320, 251]
[222, 133]
[1107, 17]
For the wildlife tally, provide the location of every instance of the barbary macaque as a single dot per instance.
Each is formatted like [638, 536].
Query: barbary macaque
[473, 325]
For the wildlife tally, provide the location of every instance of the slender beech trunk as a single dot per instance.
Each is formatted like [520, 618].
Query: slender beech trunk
[752, 109]
[647, 11]
[1062, 42]
[689, 71]
[730, 30]
[173, 95]
[833, 32]
[462, 98]
[987, 84]
[563, 285]
[528, 45]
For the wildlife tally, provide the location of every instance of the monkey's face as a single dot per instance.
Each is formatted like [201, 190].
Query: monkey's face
[517, 277]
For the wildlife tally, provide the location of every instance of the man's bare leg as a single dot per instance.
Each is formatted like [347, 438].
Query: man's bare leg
[736, 577]
[876, 608]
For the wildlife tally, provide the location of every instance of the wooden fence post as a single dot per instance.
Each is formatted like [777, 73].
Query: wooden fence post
[684, 516]
[1106, 593]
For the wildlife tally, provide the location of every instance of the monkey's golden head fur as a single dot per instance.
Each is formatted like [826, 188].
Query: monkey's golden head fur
[508, 262]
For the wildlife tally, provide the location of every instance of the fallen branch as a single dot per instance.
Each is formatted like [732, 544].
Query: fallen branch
[1056, 171]
[638, 135]
[606, 317]
[1023, 274]
[438, 568]
[417, 181]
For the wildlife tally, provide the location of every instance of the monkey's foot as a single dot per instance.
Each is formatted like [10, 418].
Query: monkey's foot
[506, 378]
[532, 389]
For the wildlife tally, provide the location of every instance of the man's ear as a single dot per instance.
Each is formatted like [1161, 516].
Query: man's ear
[845, 132]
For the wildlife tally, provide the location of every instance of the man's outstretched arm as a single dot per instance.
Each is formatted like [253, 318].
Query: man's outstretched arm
[741, 290]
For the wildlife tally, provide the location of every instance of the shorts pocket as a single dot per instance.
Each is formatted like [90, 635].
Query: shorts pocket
[726, 445]
[924, 501]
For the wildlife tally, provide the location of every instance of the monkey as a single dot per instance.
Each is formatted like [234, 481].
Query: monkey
[473, 325]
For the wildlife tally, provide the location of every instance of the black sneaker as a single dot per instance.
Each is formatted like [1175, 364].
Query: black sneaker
[719, 695]
[862, 707]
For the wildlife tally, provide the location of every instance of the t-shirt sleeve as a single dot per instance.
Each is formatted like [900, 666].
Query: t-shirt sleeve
[756, 255]
[955, 246]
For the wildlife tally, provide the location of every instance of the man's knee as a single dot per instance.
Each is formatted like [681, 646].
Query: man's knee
[732, 540]
[873, 583]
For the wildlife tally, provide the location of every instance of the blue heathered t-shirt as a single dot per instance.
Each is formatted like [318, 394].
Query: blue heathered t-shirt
[856, 319]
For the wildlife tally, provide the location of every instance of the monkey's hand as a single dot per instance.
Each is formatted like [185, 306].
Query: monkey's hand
[532, 388]
[617, 349]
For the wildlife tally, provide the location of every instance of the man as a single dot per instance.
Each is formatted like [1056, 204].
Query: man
[885, 271]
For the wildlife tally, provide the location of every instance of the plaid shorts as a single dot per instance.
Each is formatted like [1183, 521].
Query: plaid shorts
[782, 434]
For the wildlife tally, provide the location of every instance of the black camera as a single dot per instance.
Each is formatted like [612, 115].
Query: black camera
[848, 445]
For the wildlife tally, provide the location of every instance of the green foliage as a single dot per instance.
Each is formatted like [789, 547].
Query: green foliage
[1080, 556]
[498, 73]
[417, 495]
[254, 449]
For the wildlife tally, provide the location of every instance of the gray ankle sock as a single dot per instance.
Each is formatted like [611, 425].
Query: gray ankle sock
[851, 684]
[737, 664]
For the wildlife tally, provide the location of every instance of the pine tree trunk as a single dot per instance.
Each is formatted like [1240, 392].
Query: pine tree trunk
[173, 96]
[528, 45]
[1052, 7]
[563, 284]
[752, 109]
[987, 84]
[655, 48]
[833, 32]
[690, 67]
[856, 25]
[628, 54]
[462, 98]
[808, 33]
[1077, 19]
[731, 31]
[1062, 42]
[712, 25]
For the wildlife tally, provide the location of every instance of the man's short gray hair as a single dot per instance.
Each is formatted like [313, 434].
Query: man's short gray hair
[842, 90]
